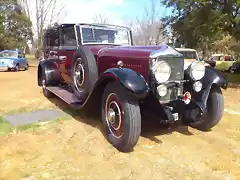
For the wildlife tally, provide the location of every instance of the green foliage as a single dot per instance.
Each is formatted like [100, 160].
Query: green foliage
[15, 26]
[198, 23]
[5, 127]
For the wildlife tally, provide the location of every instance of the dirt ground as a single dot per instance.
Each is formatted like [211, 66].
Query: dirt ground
[76, 149]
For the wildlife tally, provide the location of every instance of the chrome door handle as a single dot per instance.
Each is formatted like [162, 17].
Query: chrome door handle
[62, 58]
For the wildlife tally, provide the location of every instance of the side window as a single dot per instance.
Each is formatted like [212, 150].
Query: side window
[221, 58]
[53, 39]
[68, 38]
[216, 58]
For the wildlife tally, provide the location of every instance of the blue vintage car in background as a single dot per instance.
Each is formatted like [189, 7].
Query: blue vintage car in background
[12, 60]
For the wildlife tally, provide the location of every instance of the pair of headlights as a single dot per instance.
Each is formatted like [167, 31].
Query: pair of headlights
[162, 71]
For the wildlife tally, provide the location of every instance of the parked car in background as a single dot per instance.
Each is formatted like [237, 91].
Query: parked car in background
[12, 60]
[98, 65]
[221, 62]
[190, 55]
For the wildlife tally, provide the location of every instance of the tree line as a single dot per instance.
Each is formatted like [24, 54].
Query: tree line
[207, 25]
[15, 26]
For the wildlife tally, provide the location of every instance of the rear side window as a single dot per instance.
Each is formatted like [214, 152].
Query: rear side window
[51, 39]
[68, 38]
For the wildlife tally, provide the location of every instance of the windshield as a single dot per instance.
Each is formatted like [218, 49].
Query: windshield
[104, 35]
[9, 54]
[189, 54]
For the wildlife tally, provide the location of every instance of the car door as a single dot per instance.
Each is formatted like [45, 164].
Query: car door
[219, 62]
[68, 46]
[22, 63]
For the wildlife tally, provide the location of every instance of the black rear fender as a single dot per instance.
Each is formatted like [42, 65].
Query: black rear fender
[53, 76]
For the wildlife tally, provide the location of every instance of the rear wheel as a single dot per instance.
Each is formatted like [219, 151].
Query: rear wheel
[26, 68]
[46, 92]
[121, 117]
[215, 107]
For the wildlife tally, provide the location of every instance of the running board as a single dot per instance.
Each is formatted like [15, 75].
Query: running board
[66, 95]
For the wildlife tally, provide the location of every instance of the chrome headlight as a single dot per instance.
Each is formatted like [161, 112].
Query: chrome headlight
[161, 71]
[197, 70]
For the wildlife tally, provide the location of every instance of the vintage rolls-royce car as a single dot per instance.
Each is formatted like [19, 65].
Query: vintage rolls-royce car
[12, 60]
[98, 64]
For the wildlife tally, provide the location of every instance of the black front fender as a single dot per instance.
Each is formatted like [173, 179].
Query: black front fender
[212, 78]
[131, 80]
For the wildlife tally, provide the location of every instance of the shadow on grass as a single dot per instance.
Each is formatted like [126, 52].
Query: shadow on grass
[150, 128]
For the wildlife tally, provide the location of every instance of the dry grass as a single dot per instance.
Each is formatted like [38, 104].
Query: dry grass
[76, 148]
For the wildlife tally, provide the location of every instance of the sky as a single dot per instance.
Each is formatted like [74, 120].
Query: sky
[117, 11]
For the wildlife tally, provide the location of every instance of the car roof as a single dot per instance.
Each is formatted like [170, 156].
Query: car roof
[89, 24]
[185, 49]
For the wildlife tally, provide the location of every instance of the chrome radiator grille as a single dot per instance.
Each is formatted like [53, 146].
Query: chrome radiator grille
[177, 68]
[177, 74]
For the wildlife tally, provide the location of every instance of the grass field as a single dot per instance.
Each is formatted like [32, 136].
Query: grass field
[74, 147]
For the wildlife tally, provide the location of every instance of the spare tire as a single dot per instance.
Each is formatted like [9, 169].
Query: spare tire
[84, 72]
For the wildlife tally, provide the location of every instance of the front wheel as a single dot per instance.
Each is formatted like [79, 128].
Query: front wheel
[215, 108]
[121, 117]
[26, 68]
[17, 68]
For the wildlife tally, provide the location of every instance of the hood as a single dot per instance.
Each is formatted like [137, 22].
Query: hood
[139, 52]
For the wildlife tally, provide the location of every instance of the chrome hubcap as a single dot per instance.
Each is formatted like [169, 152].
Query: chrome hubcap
[79, 74]
[111, 116]
[114, 116]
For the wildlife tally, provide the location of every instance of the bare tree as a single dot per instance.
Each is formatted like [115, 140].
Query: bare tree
[42, 13]
[148, 30]
[100, 18]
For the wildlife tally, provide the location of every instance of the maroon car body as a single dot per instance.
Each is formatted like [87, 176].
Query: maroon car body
[99, 63]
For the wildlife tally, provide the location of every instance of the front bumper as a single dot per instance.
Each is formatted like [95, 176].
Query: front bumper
[3, 68]
[6, 67]
[178, 110]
